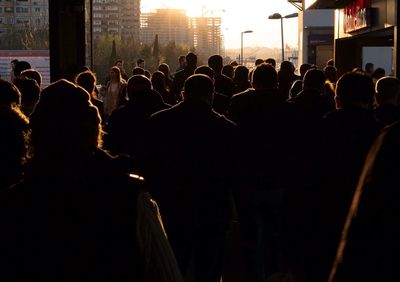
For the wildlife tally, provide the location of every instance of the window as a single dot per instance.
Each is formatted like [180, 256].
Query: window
[9, 10]
[96, 22]
[1, 20]
[1, 9]
[37, 10]
[97, 15]
[22, 10]
[96, 29]
[22, 20]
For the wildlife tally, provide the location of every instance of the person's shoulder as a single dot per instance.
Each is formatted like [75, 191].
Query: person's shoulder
[165, 113]
[248, 93]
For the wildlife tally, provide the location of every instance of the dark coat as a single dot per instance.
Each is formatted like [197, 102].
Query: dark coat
[126, 128]
[78, 227]
[370, 243]
[192, 181]
[387, 114]
[179, 80]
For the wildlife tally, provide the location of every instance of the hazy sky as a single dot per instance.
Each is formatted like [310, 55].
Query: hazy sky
[238, 16]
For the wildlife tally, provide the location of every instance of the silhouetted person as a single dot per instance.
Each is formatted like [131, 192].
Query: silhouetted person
[127, 125]
[369, 69]
[192, 183]
[19, 67]
[13, 128]
[220, 102]
[348, 133]
[241, 79]
[138, 70]
[164, 68]
[114, 92]
[182, 75]
[181, 62]
[158, 80]
[120, 65]
[263, 121]
[223, 84]
[32, 74]
[78, 215]
[30, 92]
[228, 70]
[297, 85]
[12, 65]
[387, 97]
[369, 245]
[377, 74]
[286, 77]
[140, 63]
[271, 61]
[87, 80]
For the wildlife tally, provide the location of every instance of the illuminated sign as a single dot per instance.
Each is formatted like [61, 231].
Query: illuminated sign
[356, 20]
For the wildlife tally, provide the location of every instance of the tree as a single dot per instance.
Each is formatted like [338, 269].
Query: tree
[156, 51]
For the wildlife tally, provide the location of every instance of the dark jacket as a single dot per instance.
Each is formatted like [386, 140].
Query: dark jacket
[126, 128]
[179, 81]
[78, 227]
[191, 182]
[387, 114]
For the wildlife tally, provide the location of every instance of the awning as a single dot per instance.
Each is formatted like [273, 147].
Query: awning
[331, 4]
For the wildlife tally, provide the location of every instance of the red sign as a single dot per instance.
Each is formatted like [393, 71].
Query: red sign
[357, 15]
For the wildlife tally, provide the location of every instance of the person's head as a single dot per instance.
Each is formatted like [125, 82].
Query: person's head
[271, 61]
[378, 73]
[182, 61]
[228, 70]
[287, 67]
[137, 70]
[265, 77]
[138, 85]
[119, 64]
[21, 66]
[303, 69]
[9, 94]
[330, 73]
[369, 68]
[115, 74]
[164, 68]
[30, 92]
[354, 89]
[387, 91]
[258, 62]
[241, 74]
[32, 74]
[13, 63]
[191, 60]
[158, 80]
[314, 80]
[330, 62]
[87, 80]
[206, 70]
[64, 123]
[216, 62]
[140, 63]
[198, 88]
[147, 74]
[234, 63]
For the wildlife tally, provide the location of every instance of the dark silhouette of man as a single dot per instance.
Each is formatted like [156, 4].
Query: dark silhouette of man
[192, 183]
[182, 75]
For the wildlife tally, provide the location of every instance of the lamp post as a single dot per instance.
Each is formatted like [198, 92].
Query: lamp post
[278, 16]
[241, 44]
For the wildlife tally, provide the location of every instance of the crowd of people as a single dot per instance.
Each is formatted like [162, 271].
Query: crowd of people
[143, 179]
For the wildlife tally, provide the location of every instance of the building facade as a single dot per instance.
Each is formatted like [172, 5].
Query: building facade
[207, 37]
[116, 17]
[169, 24]
[20, 14]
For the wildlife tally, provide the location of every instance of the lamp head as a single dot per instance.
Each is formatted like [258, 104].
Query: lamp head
[294, 15]
[247, 31]
[275, 16]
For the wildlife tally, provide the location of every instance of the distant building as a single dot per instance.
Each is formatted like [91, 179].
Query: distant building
[119, 17]
[169, 24]
[207, 36]
[19, 14]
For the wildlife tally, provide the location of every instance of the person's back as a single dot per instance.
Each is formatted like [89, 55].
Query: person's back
[387, 94]
[192, 183]
[127, 125]
[78, 214]
[181, 75]
[223, 84]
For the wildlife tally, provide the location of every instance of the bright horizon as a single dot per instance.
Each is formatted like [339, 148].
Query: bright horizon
[238, 16]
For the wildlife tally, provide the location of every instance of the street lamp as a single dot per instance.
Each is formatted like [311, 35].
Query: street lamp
[241, 44]
[278, 16]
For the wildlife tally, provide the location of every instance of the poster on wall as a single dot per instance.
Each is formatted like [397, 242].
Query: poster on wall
[38, 59]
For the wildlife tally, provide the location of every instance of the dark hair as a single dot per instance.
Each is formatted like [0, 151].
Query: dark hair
[33, 74]
[378, 73]
[228, 70]
[368, 66]
[158, 80]
[314, 79]
[388, 90]
[259, 62]
[265, 76]
[21, 66]
[216, 63]
[271, 61]
[304, 68]
[139, 61]
[191, 59]
[164, 68]
[137, 70]
[29, 89]
[87, 80]
[241, 74]
[206, 70]
[354, 88]
[330, 73]
[198, 87]
[9, 93]
[137, 84]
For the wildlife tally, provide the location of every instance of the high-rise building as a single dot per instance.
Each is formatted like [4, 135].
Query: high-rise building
[119, 17]
[207, 36]
[19, 14]
[169, 24]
